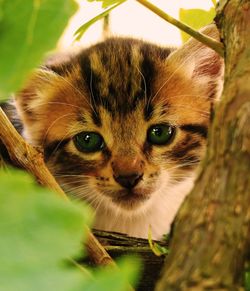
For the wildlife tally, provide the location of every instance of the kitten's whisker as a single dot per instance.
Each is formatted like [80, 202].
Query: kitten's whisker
[204, 112]
[100, 202]
[64, 103]
[185, 95]
[92, 199]
[29, 107]
[144, 82]
[92, 93]
[52, 124]
[81, 191]
[184, 165]
[71, 185]
[82, 194]
[73, 175]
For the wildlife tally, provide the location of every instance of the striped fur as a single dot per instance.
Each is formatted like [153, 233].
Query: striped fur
[119, 88]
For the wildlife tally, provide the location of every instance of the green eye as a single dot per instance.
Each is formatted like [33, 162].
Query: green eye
[89, 142]
[160, 134]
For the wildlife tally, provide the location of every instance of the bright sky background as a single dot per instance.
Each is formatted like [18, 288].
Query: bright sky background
[131, 19]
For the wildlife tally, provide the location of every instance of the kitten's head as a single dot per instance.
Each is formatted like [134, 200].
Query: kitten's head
[122, 119]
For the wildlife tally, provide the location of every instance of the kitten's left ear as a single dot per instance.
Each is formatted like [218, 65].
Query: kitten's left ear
[200, 63]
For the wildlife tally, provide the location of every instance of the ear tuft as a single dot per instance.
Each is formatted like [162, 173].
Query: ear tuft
[200, 63]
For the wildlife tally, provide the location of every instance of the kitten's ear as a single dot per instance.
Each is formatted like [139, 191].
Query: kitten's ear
[29, 100]
[200, 63]
[47, 97]
[37, 91]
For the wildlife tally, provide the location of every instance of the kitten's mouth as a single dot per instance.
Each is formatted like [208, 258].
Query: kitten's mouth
[131, 198]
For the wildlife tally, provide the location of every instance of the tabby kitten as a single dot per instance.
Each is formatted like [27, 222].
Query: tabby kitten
[123, 126]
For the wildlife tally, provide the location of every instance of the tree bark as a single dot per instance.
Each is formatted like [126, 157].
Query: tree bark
[211, 234]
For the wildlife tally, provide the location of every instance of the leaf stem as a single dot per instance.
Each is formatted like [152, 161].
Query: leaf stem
[213, 44]
[80, 31]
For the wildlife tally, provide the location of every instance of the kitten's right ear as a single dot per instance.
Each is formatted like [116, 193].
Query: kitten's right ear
[39, 87]
[34, 94]
[199, 63]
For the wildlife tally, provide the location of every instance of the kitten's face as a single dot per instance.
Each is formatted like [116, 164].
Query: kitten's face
[120, 120]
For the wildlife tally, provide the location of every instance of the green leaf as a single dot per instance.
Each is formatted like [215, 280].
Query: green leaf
[107, 3]
[82, 29]
[196, 18]
[155, 247]
[28, 29]
[38, 232]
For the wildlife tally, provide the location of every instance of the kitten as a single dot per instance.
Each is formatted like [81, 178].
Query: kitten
[123, 126]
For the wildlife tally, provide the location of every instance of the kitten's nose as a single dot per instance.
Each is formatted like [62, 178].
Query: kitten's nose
[127, 171]
[130, 181]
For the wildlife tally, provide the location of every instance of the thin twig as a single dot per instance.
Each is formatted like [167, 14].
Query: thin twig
[26, 156]
[213, 44]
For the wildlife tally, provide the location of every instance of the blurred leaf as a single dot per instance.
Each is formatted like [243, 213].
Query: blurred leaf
[1, 10]
[38, 232]
[196, 18]
[82, 29]
[28, 29]
[114, 280]
[107, 3]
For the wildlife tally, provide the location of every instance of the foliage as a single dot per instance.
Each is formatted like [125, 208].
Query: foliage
[82, 29]
[157, 249]
[28, 30]
[39, 234]
[196, 18]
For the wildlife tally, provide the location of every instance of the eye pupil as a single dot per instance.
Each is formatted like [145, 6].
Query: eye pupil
[160, 134]
[89, 142]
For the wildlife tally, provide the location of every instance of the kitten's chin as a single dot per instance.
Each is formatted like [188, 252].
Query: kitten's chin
[131, 199]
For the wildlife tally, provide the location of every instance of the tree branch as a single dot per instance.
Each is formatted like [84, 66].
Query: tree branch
[208, 41]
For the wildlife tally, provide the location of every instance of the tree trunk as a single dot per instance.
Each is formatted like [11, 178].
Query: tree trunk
[211, 235]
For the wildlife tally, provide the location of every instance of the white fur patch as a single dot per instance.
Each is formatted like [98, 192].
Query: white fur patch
[157, 214]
